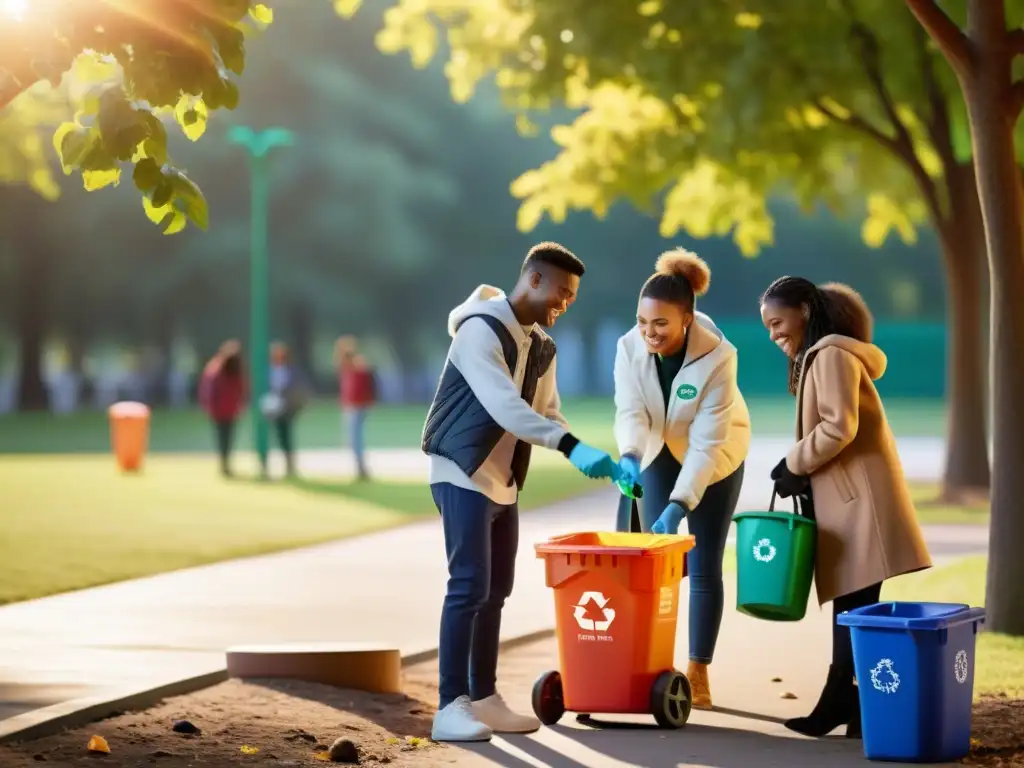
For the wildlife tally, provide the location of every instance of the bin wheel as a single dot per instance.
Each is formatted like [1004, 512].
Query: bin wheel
[671, 699]
[548, 703]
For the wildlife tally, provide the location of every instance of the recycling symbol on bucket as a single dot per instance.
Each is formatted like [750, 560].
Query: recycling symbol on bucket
[594, 625]
[884, 677]
[764, 551]
[960, 666]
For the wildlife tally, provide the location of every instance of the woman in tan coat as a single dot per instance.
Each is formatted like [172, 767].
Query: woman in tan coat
[845, 463]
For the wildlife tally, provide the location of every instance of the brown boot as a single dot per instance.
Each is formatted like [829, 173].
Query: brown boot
[700, 688]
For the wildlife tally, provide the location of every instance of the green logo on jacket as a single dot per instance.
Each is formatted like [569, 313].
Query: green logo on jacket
[686, 392]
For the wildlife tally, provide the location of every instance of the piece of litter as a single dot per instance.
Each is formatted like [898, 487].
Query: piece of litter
[98, 744]
[247, 750]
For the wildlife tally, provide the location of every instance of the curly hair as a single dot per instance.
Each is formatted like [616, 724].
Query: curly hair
[834, 308]
[680, 276]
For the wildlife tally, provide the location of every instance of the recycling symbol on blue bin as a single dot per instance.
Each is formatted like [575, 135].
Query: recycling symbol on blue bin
[960, 666]
[884, 677]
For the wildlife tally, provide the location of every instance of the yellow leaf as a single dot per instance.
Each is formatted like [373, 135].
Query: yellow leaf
[262, 14]
[58, 140]
[247, 750]
[529, 214]
[525, 127]
[747, 20]
[154, 213]
[191, 114]
[92, 68]
[42, 182]
[94, 180]
[98, 744]
[649, 8]
[324, 757]
[347, 8]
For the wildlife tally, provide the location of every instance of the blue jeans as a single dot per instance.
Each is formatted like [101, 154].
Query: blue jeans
[481, 539]
[709, 525]
[356, 418]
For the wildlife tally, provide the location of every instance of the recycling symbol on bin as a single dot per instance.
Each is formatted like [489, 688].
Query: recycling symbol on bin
[764, 551]
[600, 602]
[884, 677]
[960, 666]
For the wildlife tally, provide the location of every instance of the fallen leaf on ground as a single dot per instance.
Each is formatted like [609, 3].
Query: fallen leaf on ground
[324, 756]
[247, 750]
[98, 744]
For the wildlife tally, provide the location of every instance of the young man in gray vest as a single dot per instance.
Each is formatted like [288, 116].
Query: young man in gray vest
[496, 399]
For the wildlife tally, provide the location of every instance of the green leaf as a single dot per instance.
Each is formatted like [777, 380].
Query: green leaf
[163, 193]
[192, 200]
[147, 174]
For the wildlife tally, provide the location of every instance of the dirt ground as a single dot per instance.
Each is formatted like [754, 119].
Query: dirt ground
[278, 723]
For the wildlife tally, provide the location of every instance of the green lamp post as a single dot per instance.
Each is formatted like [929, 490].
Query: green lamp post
[258, 146]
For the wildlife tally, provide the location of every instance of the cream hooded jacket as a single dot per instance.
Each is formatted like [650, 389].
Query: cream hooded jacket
[706, 425]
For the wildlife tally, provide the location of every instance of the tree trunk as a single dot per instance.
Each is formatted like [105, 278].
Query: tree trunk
[30, 321]
[966, 473]
[987, 91]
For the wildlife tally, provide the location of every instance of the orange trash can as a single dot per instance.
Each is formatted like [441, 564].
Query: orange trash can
[129, 433]
[616, 608]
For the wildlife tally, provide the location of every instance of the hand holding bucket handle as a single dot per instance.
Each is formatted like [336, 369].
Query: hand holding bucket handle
[798, 506]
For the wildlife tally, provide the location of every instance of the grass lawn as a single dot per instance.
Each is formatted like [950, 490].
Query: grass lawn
[388, 427]
[74, 521]
[930, 512]
[1000, 659]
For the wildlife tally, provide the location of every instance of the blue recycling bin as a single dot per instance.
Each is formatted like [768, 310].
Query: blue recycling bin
[915, 672]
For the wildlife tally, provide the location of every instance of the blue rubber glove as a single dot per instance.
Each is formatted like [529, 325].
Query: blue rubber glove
[670, 519]
[594, 463]
[629, 484]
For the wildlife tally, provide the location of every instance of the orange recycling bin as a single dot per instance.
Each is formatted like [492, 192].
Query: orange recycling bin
[616, 607]
[129, 433]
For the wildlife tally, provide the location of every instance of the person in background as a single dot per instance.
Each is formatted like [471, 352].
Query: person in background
[358, 393]
[845, 468]
[683, 432]
[223, 394]
[288, 397]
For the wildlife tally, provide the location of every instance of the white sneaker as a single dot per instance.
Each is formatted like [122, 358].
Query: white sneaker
[458, 722]
[494, 712]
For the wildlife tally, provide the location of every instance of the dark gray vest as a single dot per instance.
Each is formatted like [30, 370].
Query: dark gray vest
[458, 427]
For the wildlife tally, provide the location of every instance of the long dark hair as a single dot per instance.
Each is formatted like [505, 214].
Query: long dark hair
[833, 308]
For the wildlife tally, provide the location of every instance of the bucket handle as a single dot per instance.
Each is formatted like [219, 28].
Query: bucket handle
[797, 507]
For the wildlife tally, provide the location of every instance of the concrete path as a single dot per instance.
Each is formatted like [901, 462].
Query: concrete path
[744, 730]
[922, 460]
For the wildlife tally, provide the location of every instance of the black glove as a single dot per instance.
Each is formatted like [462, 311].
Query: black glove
[786, 483]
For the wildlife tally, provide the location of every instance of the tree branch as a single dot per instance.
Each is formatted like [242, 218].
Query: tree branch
[943, 30]
[903, 141]
[13, 85]
[861, 125]
[1015, 41]
[1016, 99]
[938, 125]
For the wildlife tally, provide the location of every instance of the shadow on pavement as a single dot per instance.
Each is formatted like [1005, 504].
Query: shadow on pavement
[705, 745]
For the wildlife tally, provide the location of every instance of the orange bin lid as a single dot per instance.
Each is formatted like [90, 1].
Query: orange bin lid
[615, 543]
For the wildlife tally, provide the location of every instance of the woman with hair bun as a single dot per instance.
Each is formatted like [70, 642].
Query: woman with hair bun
[683, 433]
[845, 467]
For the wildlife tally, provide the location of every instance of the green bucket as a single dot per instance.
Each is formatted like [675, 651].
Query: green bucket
[774, 563]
